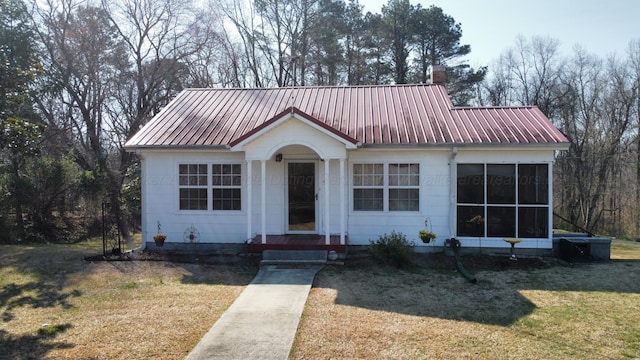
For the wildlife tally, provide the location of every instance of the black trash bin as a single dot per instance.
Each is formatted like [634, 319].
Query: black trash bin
[575, 250]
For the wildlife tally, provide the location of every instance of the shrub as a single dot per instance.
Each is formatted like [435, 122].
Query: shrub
[392, 249]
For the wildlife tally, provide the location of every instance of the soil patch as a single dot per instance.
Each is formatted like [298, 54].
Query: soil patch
[474, 263]
[436, 261]
[175, 257]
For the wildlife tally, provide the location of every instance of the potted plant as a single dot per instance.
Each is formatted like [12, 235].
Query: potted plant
[427, 235]
[159, 237]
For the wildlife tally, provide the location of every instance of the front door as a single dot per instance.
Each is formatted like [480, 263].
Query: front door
[301, 197]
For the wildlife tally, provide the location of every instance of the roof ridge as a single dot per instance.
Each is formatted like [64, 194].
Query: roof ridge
[494, 107]
[313, 87]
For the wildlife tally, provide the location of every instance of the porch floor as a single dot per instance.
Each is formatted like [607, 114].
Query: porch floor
[297, 242]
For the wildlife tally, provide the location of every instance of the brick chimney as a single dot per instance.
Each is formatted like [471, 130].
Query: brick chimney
[438, 76]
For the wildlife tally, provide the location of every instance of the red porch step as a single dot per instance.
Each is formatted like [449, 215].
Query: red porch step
[296, 242]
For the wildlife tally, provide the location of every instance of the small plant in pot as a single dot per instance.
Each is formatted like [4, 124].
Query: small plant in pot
[159, 238]
[426, 236]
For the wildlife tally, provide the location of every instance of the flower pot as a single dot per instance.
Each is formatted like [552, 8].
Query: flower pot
[159, 240]
[426, 239]
[426, 236]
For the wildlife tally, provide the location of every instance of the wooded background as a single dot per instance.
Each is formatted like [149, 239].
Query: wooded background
[78, 78]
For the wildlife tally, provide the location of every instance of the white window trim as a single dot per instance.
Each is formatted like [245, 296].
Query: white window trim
[385, 187]
[180, 187]
[210, 187]
[406, 187]
[223, 187]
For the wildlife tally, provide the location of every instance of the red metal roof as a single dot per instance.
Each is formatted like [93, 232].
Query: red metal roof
[372, 115]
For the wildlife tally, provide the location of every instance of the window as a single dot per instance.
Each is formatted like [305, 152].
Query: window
[227, 181]
[404, 190]
[392, 187]
[225, 185]
[503, 200]
[533, 197]
[368, 187]
[192, 180]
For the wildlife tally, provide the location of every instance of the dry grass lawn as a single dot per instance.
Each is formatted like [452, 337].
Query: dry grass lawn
[54, 305]
[588, 311]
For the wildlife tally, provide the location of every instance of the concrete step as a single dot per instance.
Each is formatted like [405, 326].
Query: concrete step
[279, 257]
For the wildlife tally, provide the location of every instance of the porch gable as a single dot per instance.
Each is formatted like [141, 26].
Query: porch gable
[293, 127]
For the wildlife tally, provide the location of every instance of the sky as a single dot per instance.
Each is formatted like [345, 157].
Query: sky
[601, 27]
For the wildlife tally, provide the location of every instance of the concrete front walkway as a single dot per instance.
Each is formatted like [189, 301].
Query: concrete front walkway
[262, 322]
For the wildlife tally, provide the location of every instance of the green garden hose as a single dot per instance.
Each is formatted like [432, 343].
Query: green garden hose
[455, 245]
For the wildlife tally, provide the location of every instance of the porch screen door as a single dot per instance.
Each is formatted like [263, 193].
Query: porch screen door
[301, 197]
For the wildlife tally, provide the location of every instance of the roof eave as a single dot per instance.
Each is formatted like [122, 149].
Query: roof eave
[547, 146]
[135, 148]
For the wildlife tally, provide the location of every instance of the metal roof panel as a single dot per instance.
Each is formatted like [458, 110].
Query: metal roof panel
[373, 115]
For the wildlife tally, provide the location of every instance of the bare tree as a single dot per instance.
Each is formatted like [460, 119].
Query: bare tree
[242, 15]
[595, 115]
[113, 67]
[84, 59]
[634, 62]
[533, 68]
[594, 104]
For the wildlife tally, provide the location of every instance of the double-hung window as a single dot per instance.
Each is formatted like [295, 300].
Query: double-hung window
[503, 200]
[210, 186]
[227, 181]
[404, 187]
[193, 187]
[386, 187]
[368, 187]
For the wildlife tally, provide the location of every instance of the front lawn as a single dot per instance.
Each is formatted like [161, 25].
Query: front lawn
[55, 305]
[588, 311]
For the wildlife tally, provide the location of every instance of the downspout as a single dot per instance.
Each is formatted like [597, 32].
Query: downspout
[143, 203]
[452, 191]
[453, 242]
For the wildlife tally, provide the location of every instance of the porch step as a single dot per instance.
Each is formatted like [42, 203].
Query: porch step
[279, 257]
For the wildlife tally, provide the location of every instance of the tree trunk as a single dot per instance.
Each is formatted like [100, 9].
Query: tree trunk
[114, 193]
[17, 198]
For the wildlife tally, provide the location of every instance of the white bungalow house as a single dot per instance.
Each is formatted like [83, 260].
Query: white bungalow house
[331, 167]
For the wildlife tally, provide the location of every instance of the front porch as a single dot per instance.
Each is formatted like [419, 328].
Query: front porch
[297, 242]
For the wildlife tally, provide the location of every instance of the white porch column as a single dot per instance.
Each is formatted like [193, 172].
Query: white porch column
[263, 179]
[327, 231]
[249, 198]
[342, 203]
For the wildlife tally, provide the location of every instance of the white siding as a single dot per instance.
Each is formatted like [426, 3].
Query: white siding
[160, 194]
[160, 200]
[434, 198]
